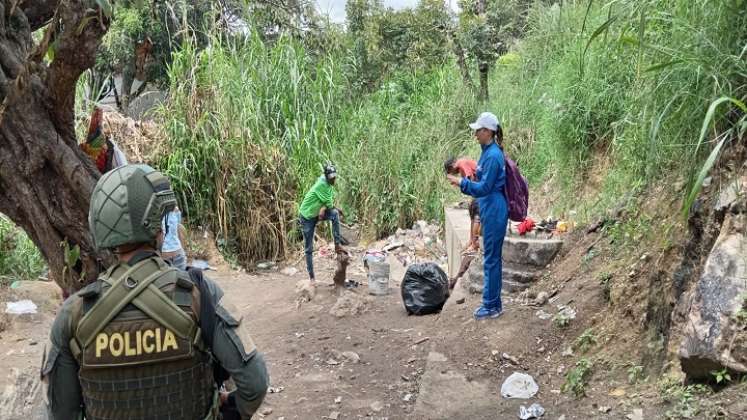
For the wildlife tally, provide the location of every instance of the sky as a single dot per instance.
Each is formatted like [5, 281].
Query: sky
[336, 8]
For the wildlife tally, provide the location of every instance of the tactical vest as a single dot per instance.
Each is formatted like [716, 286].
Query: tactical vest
[139, 348]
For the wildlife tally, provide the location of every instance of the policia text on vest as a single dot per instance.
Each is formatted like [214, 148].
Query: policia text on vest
[148, 341]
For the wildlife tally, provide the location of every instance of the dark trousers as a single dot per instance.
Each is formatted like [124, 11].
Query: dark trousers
[308, 227]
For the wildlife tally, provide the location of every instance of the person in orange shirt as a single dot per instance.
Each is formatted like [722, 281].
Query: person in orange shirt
[467, 168]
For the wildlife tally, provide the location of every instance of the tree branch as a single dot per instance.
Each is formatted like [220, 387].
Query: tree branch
[77, 44]
[38, 12]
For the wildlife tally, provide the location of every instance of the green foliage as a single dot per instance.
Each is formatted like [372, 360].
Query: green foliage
[721, 376]
[249, 124]
[605, 280]
[19, 257]
[585, 341]
[738, 130]
[385, 41]
[561, 320]
[683, 398]
[741, 315]
[577, 378]
[650, 69]
[635, 374]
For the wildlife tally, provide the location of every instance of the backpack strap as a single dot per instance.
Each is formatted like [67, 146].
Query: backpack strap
[141, 293]
[159, 307]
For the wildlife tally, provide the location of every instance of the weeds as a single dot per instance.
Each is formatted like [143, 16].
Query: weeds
[19, 257]
[561, 320]
[635, 374]
[683, 398]
[585, 341]
[721, 376]
[605, 281]
[577, 378]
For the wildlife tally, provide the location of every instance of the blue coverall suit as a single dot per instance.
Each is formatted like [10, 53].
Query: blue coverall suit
[489, 191]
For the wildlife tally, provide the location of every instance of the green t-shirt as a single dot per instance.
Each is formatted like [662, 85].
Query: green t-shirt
[322, 194]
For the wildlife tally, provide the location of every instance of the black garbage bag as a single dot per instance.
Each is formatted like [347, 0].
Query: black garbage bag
[425, 289]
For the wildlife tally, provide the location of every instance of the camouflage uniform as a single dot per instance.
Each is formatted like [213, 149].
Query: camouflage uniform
[146, 340]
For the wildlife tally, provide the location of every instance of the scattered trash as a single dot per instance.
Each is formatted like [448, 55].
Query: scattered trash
[338, 400]
[377, 406]
[351, 356]
[534, 411]
[332, 362]
[422, 340]
[566, 312]
[425, 289]
[637, 414]
[605, 409]
[334, 415]
[289, 271]
[506, 356]
[392, 246]
[378, 278]
[568, 351]
[460, 301]
[275, 390]
[373, 255]
[407, 398]
[519, 385]
[201, 264]
[542, 314]
[526, 226]
[265, 265]
[351, 284]
[20, 307]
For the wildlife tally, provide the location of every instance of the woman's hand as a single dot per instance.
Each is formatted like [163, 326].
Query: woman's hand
[454, 180]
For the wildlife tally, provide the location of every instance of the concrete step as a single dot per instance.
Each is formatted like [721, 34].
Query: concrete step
[530, 251]
[520, 275]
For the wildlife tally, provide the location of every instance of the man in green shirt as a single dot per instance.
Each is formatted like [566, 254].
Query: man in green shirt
[318, 205]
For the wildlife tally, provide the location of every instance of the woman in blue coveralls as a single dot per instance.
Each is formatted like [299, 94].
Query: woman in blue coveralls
[488, 188]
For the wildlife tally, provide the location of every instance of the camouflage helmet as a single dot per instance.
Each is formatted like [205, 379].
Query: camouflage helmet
[127, 205]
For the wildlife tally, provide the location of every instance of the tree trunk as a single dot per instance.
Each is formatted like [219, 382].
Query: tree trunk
[461, 61]
[482, 62]
[128, 78]
[483, 67]
[45, 179]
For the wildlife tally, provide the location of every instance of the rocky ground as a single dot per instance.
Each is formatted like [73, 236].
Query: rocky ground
[348, 354]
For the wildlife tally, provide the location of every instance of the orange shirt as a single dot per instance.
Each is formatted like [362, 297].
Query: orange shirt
[467, 167]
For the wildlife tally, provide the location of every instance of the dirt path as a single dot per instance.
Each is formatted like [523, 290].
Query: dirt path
[383, 364]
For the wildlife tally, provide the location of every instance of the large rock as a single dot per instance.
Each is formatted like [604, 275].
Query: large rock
[530, 251]
[715, 335]
[47, 295]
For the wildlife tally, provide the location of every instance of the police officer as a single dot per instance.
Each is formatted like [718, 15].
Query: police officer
[146, 340]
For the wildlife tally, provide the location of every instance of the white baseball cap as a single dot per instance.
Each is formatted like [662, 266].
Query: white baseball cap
[486, 120]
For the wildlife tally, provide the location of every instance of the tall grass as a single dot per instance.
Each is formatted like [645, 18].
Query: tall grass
[630, 80]
[19, 257]
[250, 125]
